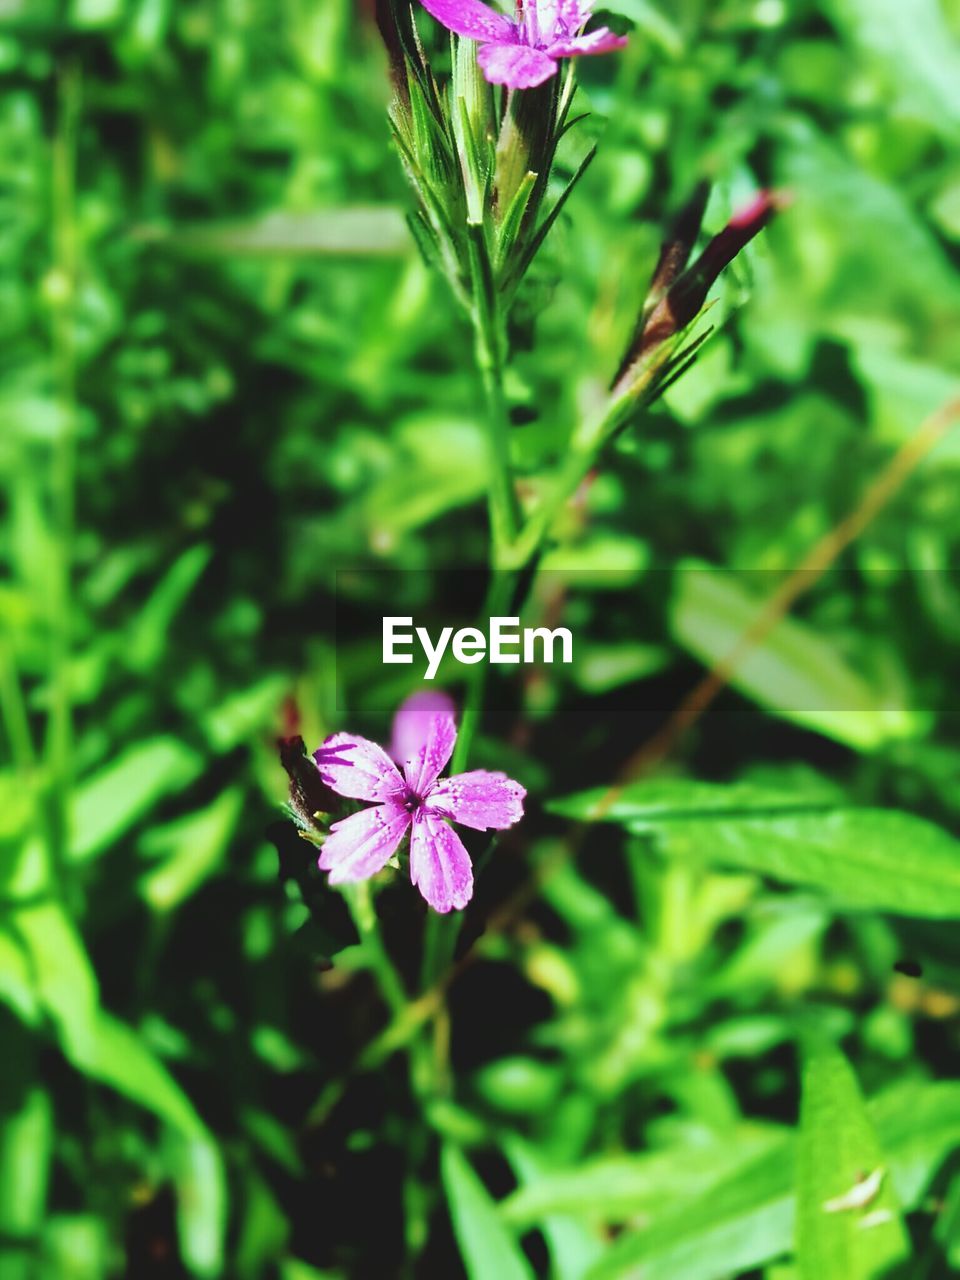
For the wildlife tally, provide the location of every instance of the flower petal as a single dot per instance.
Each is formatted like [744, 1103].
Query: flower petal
[439, 864]
[359, 846]
[472, 19]
[412, 721]
[600, 41]
[518, 66]
[479, 799]
[556, 18]
[423, 769]
[358, 768]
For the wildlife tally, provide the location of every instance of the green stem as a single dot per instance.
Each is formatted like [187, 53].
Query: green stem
[59, 737]
[360, 902]
[440, 933]
[489, 346]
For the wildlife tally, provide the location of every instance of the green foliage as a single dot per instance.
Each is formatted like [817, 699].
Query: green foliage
[239, 415]
[857, 856]
[848, 1220]
[485, 1244]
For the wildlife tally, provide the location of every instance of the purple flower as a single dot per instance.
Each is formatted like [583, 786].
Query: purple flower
[417, 800]
[412, 721]
[523, 53]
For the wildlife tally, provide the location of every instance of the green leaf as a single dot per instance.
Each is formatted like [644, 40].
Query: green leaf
[793, 672]
[26, 1151]
[363, 231]
[608, 1189]
[848, 1220]
[739, 1223]
[16, 980]
[573, 1246]
[149, 638]
[867, 858]
[109, 803]
[192, 849]
[245, 713]
[118, 1057]
[916, 47]
[601, 562]
[441, 463]
[75, 1247]
[666, 799]
[487, 1249]
[602, 667]
[63, 976]
[201, 1185]
[717, 1227]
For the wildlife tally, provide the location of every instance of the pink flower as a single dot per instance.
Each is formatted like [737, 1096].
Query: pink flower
[417, 800]
[524, 53]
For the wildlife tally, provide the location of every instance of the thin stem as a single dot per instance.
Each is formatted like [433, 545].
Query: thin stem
[489, 348]
[59, 737]
[440, 933]
[360, 902]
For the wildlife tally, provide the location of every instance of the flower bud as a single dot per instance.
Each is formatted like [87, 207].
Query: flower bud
[677, 292]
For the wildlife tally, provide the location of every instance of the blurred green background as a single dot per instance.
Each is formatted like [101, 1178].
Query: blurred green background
[225, 375]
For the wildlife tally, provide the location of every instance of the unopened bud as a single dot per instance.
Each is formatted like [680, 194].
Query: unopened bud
[683, 299]
[309, 794]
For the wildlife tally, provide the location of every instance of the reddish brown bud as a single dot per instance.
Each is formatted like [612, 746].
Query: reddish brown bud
[309, 794]
[683, 299]
[686, 296]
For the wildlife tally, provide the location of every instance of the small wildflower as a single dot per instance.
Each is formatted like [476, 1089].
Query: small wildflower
[523, 53]
[416, 800]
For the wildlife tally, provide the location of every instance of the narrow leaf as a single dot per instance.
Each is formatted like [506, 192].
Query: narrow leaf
[107, 804]
[792, 671]
[486, 1247]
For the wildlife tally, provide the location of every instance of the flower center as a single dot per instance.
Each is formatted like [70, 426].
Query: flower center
[412, 802]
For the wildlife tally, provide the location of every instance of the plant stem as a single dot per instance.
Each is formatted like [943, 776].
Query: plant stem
[441, 932]
[360, 902]
[59, 737]
[489, 350]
